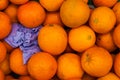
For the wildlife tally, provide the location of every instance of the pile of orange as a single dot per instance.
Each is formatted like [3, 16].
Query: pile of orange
[77, 41]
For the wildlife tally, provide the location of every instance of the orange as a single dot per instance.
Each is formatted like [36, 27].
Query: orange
[116, 10]
[109, 76]
[2, 76]
[3, 51]
[11, 11]
[88, 77]
[19, 1]
[31, 14]
[3, 4]
[5, 25]
[107, 3]
[51, 5]
[5, 65]
[25, 78]
[69, 67]
[96, 61]
[102, 23]
[81, 38]
[53, 18]
[117, 64]
[106, 41]
[52, 38]
[8, 47]
[116, 36]
[16, 62]
[9, 77]
[42, 66]
[74, 13]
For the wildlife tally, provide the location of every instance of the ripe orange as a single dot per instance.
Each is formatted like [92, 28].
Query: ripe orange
[106, 41]
[5, 25]
[2, 76]
[116, 10]
[96, 61]
[81, 38]
[19, 1]
[25, 78]
[53, 18]
[52, 38]
[11, 11]
[116, 36]
[42, 66]
[16, 62]
[117, 64]
[3, 52]
[109, 76]
[9, 77]
[31, 14]
[51, 5]
[69, 67]
[3, 4]
[102, 23]
[88, 77]
[107, 3]
[74, 13]
[5, 66]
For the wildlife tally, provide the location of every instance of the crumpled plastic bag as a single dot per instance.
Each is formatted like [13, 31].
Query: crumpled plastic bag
[25, 39]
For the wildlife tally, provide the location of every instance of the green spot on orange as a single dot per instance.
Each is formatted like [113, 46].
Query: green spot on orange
[96, 20]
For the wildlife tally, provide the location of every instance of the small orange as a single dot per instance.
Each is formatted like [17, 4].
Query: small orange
[96, 61]
[81, 38]
[19, 1]
[116, 36]
[116, 10]
[106, 41]
[52, 38]
[3, 4]
[5, 65]
[102, 23]
[53, 18]
[31, 14]
[109, 76]
[88, 77]
[107, 3]
[69, 67]
[25, 78]
[3, 51]
[11, 11]
[74, 13]
[16, 62]
[9, 77]
[117, 64]
[2, 76]
[5, 25]
[51, 5]
[42, 66]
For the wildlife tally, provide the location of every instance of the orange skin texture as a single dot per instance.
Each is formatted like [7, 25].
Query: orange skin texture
[116, 10]
[11, 11]
[117, 64]
[74, 13]
[116, 36]
[25, 78]
[106, 41]
[18, 2]
[102, 23]
[2, 76]
[96, 61]
[53, 18]
[16, 62]
[52, 38]
[107, 3]
[109, 76]
[31, 14]
[3, 4]
[5, 25]
[3, 52]
[81, 38]
[51, 5]
[69, 67]
[42, 66]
